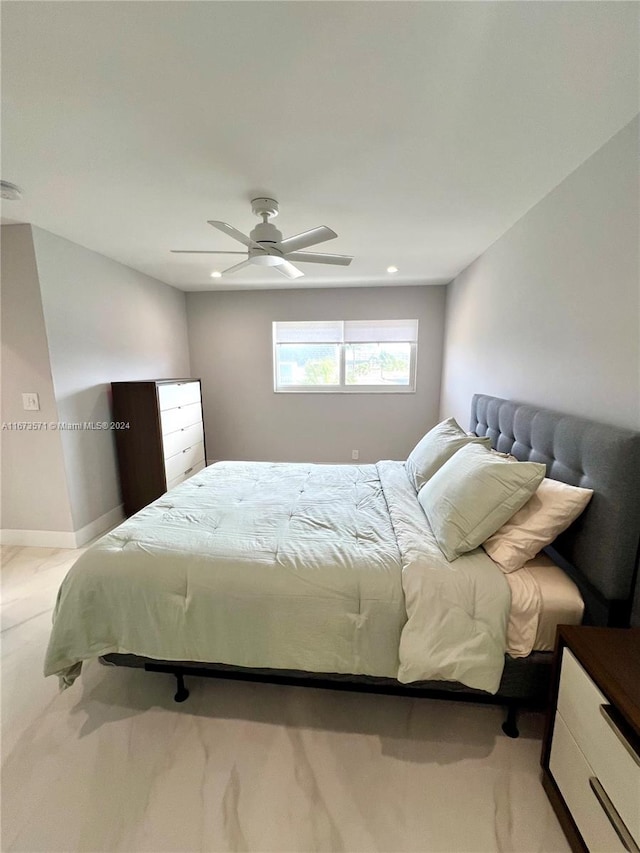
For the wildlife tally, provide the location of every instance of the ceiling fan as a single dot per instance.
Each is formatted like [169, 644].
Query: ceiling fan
[266, 248]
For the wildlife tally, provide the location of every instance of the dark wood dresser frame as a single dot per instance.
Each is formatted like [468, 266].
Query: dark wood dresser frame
[139, 448]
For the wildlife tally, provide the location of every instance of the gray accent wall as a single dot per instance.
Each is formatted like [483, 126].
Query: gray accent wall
[73, 321]
[550, 313]
[34, 486]
[230, 337]
[105, 322]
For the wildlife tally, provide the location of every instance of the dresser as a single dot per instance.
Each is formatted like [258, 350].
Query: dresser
[163, 444]
[591, 748]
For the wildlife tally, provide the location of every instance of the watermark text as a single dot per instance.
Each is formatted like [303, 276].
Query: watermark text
[62, 426]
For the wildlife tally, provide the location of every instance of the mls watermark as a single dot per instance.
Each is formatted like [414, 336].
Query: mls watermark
[62, 426]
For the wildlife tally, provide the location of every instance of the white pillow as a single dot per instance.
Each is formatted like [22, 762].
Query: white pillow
[435, 448]
[549, 512]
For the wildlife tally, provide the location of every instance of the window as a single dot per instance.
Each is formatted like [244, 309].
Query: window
[351, 356]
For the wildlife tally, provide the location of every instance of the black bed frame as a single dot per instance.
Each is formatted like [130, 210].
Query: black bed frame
[600, 552]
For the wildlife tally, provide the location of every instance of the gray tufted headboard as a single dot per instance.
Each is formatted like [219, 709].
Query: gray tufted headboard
[601, 549]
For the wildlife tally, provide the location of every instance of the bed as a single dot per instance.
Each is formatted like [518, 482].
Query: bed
[331, 575]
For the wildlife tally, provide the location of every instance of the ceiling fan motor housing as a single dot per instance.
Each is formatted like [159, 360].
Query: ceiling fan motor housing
[268, 235]
[265, 232]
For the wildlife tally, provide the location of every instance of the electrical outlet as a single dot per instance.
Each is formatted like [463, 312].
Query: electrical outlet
[30, 402]
[355, 455]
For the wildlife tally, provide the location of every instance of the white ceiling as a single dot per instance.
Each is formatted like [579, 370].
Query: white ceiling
[419, 131]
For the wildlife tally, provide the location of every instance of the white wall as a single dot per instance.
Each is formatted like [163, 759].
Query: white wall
[34, 490]
[105, 322]
[550, 313]
[230, 337]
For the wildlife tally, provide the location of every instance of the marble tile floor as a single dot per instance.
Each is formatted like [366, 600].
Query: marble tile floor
[113, 764]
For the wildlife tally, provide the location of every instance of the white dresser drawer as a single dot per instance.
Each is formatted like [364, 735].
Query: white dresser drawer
[174, 419]
[186, 474]
[176, 442]
[572, 774]
[184, 460]
[176, 394]
[581, 705]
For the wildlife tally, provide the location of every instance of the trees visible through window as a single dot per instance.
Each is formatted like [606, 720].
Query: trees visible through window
[345, 355]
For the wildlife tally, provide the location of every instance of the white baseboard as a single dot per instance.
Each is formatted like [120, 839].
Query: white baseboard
[100, 525]
[38, 538]
[62, 538]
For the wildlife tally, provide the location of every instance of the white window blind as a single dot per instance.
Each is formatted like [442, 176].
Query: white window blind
[318, 331]
[351, 356]
[400, 331]
[346, 331]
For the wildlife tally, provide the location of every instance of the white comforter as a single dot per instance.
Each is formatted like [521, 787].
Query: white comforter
[286, 566]
[457, 612]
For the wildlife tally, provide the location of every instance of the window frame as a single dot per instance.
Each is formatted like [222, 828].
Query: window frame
[343, 388]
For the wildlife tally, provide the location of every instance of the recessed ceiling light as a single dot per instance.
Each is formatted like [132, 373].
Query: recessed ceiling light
[10, 191]
[216, 274]
[392, 269]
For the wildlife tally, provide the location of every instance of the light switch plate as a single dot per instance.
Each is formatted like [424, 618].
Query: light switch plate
[30, 402]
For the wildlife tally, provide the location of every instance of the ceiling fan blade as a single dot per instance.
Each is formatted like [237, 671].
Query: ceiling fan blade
[237, 266]
[319, 258]
[203, 252]
[288, 270]
[233, 232]
[307, 238]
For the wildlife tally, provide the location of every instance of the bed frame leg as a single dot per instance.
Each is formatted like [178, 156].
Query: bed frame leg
[510, 725]
[181, 693]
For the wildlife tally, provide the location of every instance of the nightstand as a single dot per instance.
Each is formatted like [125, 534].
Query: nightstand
[591, 748]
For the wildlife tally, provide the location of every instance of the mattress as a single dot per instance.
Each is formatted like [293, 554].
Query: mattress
[542, 597]
[322, 568]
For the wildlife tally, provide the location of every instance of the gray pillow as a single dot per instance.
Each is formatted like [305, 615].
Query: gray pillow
[435, 448]
[473, 494]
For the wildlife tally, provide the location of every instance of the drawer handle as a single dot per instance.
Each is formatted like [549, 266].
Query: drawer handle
[191, 469]
[186, 449]
[605, 710]
[614, 818]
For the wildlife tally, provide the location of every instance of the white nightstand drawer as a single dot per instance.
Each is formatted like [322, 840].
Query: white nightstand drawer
[186, 474]
[178, 394]
[174, 419]
[176, 442]
[584, 710]
[572, 774]
[179, 463]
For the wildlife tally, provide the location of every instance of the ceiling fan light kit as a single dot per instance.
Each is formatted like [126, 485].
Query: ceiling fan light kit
[266, 248]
